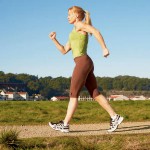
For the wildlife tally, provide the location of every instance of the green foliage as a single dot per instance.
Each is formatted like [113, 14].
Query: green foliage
[41, 112]
[9, 139]
[48, 86]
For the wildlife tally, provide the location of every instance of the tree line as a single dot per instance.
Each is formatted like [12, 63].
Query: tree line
[49, 86]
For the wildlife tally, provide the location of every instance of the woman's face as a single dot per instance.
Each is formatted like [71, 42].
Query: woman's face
[71, 17]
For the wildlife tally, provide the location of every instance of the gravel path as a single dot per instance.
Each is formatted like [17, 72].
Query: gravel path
[78, 130]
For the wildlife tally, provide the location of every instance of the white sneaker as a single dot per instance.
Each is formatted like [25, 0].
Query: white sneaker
[59, 126]
[114, 123]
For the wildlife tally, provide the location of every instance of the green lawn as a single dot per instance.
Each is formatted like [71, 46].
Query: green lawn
[101, 142]
[41, 112]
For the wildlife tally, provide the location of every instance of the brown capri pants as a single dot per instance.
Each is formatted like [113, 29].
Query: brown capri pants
[83, 75]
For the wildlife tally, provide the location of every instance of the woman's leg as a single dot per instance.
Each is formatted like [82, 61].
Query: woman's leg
[78, 79]
[93, 90]
[73, 103]
[105, 104]
[91, 85]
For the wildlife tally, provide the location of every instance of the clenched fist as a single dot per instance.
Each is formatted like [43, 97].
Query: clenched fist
[106, 52]
[52, 35]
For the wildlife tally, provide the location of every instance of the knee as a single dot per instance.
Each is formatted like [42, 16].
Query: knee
[74, 94]
[95, 93]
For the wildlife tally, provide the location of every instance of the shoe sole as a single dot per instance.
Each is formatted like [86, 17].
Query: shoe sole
[64, 131]
[119, 122]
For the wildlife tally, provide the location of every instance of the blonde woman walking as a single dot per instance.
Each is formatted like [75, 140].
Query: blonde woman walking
[83, 72]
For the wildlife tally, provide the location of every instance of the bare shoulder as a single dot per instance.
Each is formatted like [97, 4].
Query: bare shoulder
[80, 27]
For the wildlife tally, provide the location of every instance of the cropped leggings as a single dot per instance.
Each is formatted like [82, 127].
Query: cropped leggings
[83, 76]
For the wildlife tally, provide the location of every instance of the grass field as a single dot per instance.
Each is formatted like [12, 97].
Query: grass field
[41, 112]
[101, 142]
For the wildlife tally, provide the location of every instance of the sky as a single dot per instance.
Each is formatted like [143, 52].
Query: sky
[26, 48]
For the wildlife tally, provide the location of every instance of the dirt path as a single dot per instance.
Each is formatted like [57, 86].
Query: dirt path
[78, 130]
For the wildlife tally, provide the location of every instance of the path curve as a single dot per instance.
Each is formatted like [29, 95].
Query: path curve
[30, 131]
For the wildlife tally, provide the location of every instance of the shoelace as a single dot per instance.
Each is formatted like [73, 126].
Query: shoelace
[112, 122]
[60, 123]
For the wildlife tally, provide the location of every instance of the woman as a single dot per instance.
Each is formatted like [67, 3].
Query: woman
[83, 71]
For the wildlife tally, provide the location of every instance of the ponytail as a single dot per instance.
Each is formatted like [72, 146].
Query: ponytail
[88, 19]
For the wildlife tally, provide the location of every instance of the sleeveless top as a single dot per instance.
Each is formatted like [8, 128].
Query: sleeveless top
[78, 43]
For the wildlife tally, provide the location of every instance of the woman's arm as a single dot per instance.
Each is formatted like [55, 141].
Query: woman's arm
[61, 48]
[90, 29]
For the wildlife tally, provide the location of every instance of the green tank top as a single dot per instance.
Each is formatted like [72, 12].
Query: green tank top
[78, 43]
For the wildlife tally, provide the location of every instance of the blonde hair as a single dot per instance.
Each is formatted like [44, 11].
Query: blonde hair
[82, 14]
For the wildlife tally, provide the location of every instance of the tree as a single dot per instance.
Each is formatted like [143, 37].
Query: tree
[2, 75]
[10, 78]
[33, 87]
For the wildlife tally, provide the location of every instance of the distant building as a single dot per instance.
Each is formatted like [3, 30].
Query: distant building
[59, 98]
[23, 95]
[15, 95]
[135, 98]
[38, 97]
[118, 97]
[9, 95]
[2, 97]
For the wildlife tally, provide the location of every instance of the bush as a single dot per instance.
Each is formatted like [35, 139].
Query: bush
[9, 139]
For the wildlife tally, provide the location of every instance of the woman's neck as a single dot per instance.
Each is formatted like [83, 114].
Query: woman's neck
[76, 23]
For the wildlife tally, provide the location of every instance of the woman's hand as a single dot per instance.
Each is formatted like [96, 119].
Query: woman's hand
[52, 35]
[105, 52]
